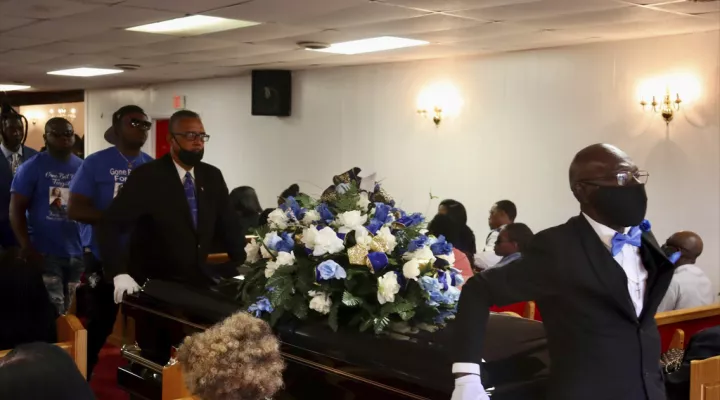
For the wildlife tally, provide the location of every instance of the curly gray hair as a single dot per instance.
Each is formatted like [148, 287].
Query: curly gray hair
[237, 359]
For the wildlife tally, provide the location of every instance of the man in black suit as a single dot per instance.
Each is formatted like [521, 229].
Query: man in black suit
[172, 208]
[14, 153]
[598, 280]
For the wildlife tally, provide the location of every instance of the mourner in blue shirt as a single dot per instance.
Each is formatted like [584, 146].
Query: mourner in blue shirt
[93, 188]
[14, 153]
[38, 213]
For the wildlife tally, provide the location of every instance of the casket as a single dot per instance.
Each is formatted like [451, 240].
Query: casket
[322, 364]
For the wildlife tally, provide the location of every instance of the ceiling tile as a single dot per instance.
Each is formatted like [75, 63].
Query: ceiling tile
[688, 7]
[184, 6]
[261, 32]
[546, 8]
[91, 60]
[121, 37]
[454, 5]
[56, 30]
[605, 17]
[286, 11]
[106, 2]
[285, 56]
[647, 2]
[7, 22]
[325, 36]
[476, 32]
[429, 23]
[73, 48]
[27, 56]
[187, 45]
[8, 42]
[361, 15]
[236, 51]
[43, 9]
[671, 25]
[521, 41]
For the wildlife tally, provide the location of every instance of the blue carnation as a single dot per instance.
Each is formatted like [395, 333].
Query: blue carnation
[378, 260]
[273, 241]
[451, 295]
[430, 284]
[329, 269]
[285, 244]
[325, 213]
[441, 247]
[411, 220]
[374, 226]
[417, 243]
[261, 305]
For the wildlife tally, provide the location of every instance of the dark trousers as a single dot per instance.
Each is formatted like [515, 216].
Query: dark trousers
[102, 312]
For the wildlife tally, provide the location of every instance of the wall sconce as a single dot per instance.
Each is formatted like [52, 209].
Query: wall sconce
[668, 88]
[439, 101]
[667, 107]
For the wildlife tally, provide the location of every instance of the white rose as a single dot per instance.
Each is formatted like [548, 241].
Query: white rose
[308, 237]
[363, 202]
[271, 237]
[450, 258]
[252, 250]
[283, 258]
[385, 234]
[350, 220]
[388, 287]
[310, 217]
[320, 302]
[278, 219]
[327, 242]
[411, 269]
[362, 236]
[424, 254]
[265, 253]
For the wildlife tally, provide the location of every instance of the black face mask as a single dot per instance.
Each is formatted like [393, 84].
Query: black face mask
[621, 205]
[188, 157]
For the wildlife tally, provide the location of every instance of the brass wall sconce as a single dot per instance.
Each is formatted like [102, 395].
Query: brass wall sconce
[666, 108]
[436, 114]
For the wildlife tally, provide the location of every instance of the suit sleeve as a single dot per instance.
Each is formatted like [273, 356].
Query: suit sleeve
[228, 226]
[118, 221]
[530, 278]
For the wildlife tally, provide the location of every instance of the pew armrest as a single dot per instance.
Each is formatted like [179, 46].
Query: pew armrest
[687, 314]
[705, 379]
[72, 337]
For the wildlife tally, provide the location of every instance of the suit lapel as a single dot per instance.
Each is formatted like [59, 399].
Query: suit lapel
[202, 199]
[178, 190]
[606, 269]
[655, 262]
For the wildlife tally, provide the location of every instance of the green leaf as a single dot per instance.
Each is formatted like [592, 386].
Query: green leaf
[275, 315]
[356, 272]
[366, 324]
[305, 201]
[396, 308]
[351, 301]
[300, 308]
[379, 324]
[333, 317]
[406, 315]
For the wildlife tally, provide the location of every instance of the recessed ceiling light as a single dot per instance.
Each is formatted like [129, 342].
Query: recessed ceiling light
[373, 44]
[193, 25]
[85, 72]
[6, 87]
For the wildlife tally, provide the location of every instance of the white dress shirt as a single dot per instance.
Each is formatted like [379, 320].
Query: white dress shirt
[690, 287]
[629, 259]
[181, 172]
[487, 258]
[8, 154]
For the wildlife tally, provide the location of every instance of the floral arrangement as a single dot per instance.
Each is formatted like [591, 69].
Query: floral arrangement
[351, 258]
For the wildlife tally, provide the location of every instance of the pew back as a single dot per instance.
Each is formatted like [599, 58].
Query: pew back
[705, 379]
[690, 321]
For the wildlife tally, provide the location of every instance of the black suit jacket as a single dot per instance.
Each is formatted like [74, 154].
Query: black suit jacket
[7, 238]
[599, 348]
[163, 242]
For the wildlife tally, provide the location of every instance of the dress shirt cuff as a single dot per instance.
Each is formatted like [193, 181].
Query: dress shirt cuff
[466, 368]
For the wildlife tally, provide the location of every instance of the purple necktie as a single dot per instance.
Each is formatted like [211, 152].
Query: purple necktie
[190, 195]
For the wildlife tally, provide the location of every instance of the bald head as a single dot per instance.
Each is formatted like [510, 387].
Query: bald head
[599, 161]
[689, 244]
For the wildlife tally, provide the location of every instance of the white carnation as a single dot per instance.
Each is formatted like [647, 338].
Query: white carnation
[265, 253]
[310, 217]
[283, 258]
[362, 236]
[320, 302]
[327, 242]
[363, 202]
[387, 235]
[388, 287]
[308, 237]
[252, 251]
[450, 258]
[411, 269]
[278, 219]
[424, 254]
[350, 220]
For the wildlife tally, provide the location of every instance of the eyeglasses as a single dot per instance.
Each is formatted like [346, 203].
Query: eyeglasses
[624, 178]
[140, 124]
[68, 134]
[192, 136]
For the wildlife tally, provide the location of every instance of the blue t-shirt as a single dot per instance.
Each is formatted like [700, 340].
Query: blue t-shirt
[101, 177]
[45, 181]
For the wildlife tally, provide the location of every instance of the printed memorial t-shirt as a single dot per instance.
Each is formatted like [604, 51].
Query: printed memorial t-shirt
[102, 176]
[45, 181]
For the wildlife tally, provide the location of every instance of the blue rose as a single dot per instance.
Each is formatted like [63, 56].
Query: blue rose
[441, 247]
[451, 295]
[378, 260]
[285, 244]
[294, 206]
[273, 241]
[411, 220]
[430, 284]
[417, 243]
[456, 279]
[261, 305]
[325, 213]
[329, 269]
[443, 279]
[382, 213]
[645, 226]
[374, 226]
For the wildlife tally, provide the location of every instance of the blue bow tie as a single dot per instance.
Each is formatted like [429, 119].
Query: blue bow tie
[633, 238]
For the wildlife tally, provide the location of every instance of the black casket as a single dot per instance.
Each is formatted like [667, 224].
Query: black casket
[322, 364]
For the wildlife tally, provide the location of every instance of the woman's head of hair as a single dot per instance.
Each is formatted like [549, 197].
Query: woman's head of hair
[455, 209]
[237, 359]
[244, 200]
[444, 225]
[292, 191]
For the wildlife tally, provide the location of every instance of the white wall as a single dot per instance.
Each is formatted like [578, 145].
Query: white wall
[525, 115]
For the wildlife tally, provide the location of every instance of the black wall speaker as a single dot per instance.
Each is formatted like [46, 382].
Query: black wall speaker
[271, 92]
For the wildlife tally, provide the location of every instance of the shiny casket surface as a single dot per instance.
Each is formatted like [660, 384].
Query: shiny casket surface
[322, 364]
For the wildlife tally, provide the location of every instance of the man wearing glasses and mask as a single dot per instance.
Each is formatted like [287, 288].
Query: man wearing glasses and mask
[92, 190]
[597, 279]
[38, 214]
[175, 207]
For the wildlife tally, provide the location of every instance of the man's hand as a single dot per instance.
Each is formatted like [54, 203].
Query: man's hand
[30, 256]
[124, 283]
[469, 387]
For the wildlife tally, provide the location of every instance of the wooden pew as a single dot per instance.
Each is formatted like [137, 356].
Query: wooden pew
[689, 320]
[72, 337]
[705, 379]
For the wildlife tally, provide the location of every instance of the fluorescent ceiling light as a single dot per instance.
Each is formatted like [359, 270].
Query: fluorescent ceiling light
[85, 72]
[373, 44]
[8, 87]
[193, 25]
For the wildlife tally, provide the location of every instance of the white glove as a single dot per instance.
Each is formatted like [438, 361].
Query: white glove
[124, 283]
[469, 387]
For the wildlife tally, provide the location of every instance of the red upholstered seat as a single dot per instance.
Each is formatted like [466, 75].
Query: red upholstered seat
[690, 320]
[526, 309]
